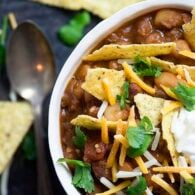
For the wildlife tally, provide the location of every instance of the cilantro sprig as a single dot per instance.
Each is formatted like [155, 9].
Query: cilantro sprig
[188, 188]
[186, 95]
[124, 97]
[143, 67]
[72, 32]
[140, 137]
[80, 138]
[82, 177]
[138, 188]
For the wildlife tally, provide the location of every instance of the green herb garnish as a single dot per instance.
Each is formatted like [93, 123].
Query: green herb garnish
[124, 97]
[143, 67]
[2, 42]
[140, 137]
[188, 188]
[80, 138]
[82, 176]
[71, 33]
[29, 146]
[186, 95]
[138, 188]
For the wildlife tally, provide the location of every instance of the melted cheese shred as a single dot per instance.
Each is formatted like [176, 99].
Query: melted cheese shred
[122, 155]
[108, 92]
[115, 146]
[131, 119]
[164, 185]
[104, 131]
[172, 106]
[141, 164]
[187, 177]
[168, 91]
[114, 171]
[120, 138]
[171, 177]
[188, 78]
[131, 75]
[117, 188]
[170, 169]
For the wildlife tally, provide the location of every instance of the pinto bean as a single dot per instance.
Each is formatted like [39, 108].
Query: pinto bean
[174, 34]
[167, 79]
[168, 18]
[134, 90]
[82, 72]
[114, 113]
[155, 37]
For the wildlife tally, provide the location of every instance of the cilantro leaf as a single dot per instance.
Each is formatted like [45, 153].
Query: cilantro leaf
[80, 138]
[71, 33]
[140, 137]
[29, 146]
[188, 188]
[186, 95]
[138, 188]
[82, 177]
[124, 97]
[143, 67]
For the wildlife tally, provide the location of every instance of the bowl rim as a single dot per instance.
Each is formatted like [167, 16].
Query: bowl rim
[99, 32]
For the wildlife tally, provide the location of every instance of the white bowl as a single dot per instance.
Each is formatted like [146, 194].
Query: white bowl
[87, 43]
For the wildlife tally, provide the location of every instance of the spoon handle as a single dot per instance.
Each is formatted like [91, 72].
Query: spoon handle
[43, 177]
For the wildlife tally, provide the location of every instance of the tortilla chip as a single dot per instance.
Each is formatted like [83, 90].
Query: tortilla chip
[114, 51]
[189, 31]
[165, 65]
[101, 8]
[92, 123]
[149, 106]
[67, 4]
[15, 120]
[93, 82]
[168, 136]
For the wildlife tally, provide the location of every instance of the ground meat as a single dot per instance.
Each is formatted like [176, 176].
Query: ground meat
[160, 93]
[174, 34]
[155, 37]
[82, 72]
[169, 18]
[94, 149]
[93, 111]
[144, 26]
[127, 166]
[113, 64]
[100, 170]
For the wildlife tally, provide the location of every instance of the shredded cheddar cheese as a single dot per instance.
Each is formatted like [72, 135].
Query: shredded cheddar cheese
[114, 171]
[117, 188]
[122, 155]
[104, 131]
[131, 119]
[164, 185]
[187, 53]
[187, 177]
[141, 164]
[131, 75]
[108, 92]
[115, 146]
[188, 78]
[171, 177]
[172, 106]
[169, 92]
[120, 138]
[170, 169]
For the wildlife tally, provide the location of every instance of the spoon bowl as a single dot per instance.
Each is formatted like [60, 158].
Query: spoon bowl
[31, 71]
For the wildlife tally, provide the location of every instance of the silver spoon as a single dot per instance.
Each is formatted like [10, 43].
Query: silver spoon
[31, 71]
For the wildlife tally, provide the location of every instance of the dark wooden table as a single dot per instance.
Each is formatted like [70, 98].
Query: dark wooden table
[22, 179]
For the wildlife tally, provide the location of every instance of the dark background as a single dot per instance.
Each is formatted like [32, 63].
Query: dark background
[22, 179]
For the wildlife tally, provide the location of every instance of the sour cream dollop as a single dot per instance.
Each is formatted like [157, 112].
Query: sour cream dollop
[183, 129]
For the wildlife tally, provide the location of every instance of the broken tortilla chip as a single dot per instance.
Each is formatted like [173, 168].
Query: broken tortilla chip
[189, 31]
[149, 106]
[15, 120]
[168, 136]
[114, 51]
[101, 8]
[93, 82]
[92, 123]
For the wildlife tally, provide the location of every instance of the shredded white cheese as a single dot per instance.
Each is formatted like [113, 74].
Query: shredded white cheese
[156, 140]
[148, 191]
[127, 174]
[148, 164]
[102, 109]
[109, 185]
[149, 157]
